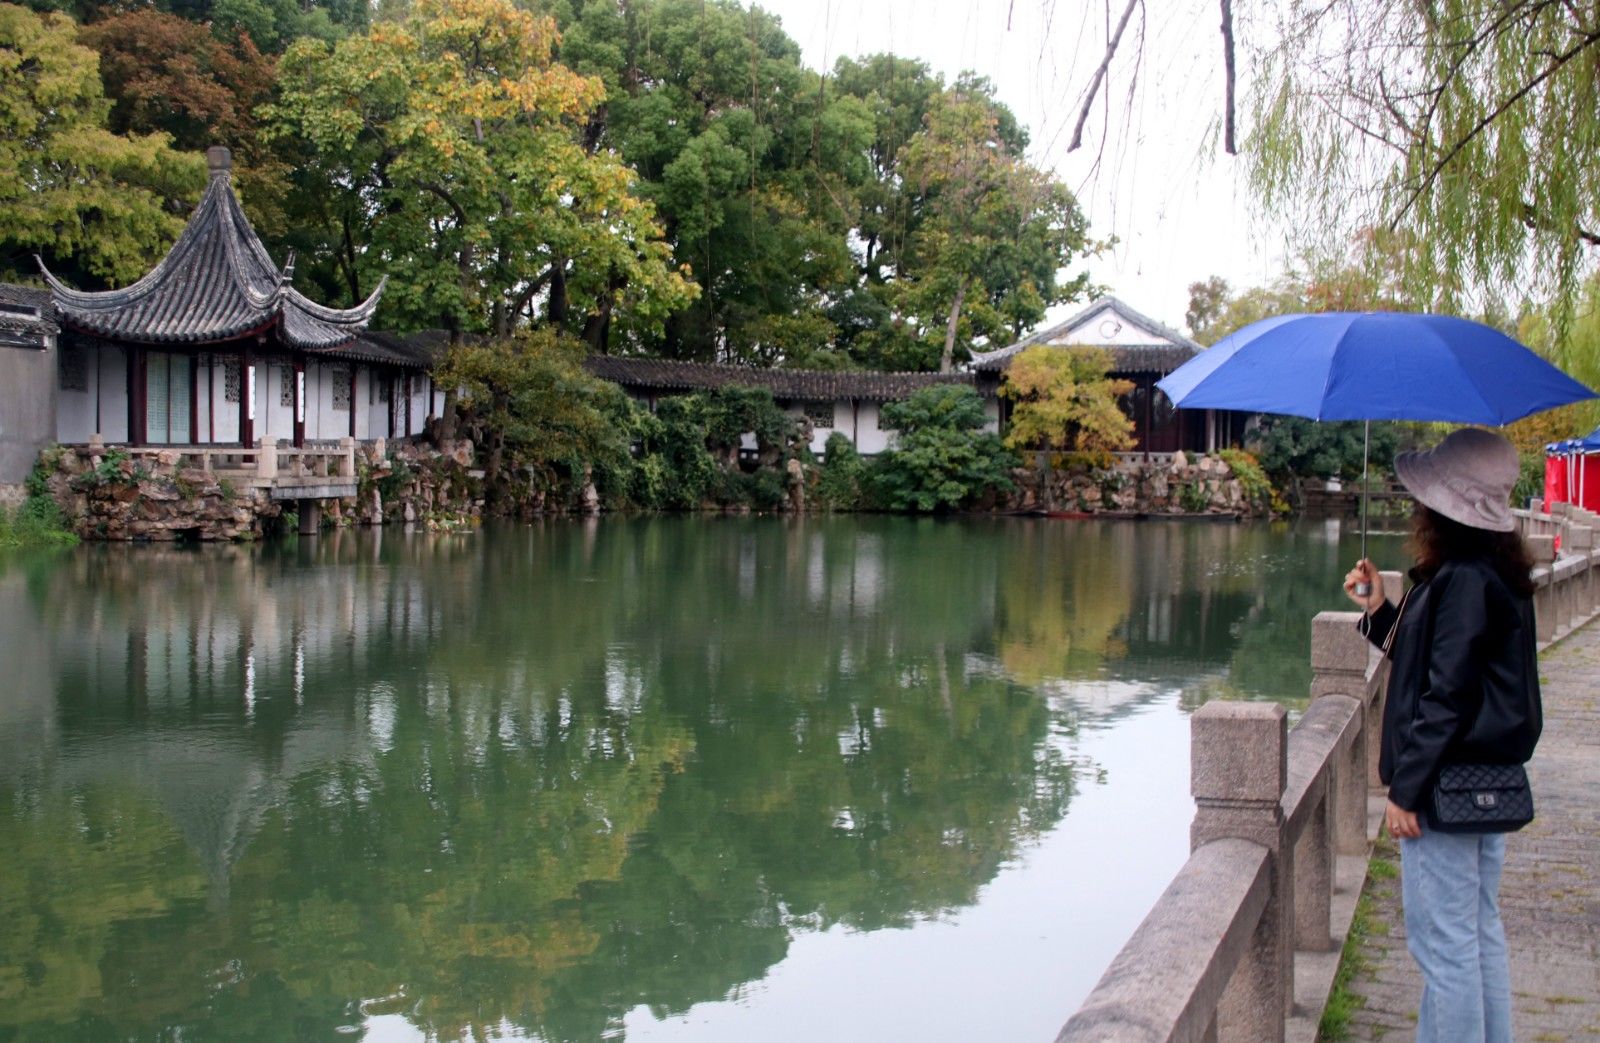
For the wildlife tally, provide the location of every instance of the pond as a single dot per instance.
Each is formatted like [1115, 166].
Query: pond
[668, 778]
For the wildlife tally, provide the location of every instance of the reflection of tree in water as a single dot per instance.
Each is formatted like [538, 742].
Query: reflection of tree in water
[539, 776]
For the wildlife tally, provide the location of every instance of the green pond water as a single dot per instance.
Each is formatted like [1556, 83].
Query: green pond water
[677, 778]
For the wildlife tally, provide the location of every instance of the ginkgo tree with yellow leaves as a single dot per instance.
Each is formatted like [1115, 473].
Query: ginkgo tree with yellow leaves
[1067, 402]
[455, 141]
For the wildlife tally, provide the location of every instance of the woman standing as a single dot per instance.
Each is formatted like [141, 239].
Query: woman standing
[1463, 689]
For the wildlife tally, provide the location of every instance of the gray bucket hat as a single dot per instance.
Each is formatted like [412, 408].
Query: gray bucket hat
[1467, 478]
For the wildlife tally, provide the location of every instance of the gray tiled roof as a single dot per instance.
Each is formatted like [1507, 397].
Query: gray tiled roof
[807, 385]
[217, 283]
[1158, 356]
[26, 318]
[408, 350]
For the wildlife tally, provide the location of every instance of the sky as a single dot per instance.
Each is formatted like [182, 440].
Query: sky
[1178, 206]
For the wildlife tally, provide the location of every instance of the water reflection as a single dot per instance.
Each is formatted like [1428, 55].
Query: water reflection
[524, 782]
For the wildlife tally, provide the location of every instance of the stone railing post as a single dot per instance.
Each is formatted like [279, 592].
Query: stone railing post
[1579, 546]
[267, 458]
[1339, 667]
[1238, 771]
[1543, 551]
[347, 457]
[1314, 870]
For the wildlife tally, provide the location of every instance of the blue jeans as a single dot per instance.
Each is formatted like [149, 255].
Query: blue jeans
[1450, 884]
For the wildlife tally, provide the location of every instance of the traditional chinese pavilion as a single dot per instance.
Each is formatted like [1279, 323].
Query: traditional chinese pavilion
[215, 346]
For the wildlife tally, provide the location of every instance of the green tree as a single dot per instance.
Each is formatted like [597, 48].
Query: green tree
[457, 141]
[984, 261]
[750, 162]
[1065, 400]
[165, 74]
[100, 208]
[941, 458]
[1470, 128]
[1293, 447]
[536, 412]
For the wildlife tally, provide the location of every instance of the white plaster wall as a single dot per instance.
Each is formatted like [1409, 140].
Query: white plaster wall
[322, 420]
[279, 418]
[420, 394]
[75, 409]
[1099, 329]
[870, 438]
[225, 426]
[991, 413]
[110, 374]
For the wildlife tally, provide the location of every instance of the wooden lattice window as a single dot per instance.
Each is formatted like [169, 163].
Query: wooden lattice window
[820, 414]
[286, 387]
[232, 378]
[343, 387]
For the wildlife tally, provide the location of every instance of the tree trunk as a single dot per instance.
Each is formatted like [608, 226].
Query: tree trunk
[557, 310]
[947, 360]
[597, 330]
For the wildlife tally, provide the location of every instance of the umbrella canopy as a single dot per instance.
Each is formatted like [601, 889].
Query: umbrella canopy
[1373, 366]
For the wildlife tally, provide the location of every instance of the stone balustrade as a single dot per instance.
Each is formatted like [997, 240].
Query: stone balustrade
[1244, 943]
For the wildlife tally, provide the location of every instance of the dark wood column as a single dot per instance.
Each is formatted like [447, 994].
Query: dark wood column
[138, 394]
[299, 402]
[247, 404]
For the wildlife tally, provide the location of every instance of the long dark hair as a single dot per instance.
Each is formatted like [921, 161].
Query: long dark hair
[1436, 539]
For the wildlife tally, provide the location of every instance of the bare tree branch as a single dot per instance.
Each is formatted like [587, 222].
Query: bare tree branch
[1100, 75]
[1228, 143]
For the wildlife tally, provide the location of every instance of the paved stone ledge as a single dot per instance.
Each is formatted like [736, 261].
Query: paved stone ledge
[1550, 895]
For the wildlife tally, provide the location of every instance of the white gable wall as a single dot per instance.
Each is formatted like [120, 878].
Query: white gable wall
[1111, 327]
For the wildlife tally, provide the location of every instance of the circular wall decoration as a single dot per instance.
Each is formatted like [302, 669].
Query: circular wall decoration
[1110, 328]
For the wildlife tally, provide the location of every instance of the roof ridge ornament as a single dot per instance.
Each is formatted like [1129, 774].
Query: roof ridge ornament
[220, 162]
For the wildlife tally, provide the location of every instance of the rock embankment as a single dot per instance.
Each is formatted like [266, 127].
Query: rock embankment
[1177, 484]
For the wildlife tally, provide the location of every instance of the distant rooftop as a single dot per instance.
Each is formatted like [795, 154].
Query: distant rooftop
[808, 385]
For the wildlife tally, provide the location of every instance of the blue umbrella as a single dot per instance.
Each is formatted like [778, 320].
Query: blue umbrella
[1372, 366]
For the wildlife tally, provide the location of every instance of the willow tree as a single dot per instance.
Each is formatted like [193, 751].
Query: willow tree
[1469, 127]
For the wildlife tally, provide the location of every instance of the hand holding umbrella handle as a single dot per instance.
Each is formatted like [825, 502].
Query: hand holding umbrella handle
[1364, 585]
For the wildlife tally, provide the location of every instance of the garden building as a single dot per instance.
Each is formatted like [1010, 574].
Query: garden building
[1141, 351]
[215, 347]
[832, 400]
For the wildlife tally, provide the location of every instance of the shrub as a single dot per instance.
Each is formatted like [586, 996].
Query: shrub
[842, 483]
[1530, 478]
[1253, 481]
[942, 458]
[1293, 447]
[1066, 401]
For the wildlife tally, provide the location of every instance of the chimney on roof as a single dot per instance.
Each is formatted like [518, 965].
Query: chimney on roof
[220, 161]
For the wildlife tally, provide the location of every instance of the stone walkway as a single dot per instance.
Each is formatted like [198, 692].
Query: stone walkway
[1550, 895]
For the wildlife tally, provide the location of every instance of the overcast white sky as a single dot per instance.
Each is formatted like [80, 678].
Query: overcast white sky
[1180, 209]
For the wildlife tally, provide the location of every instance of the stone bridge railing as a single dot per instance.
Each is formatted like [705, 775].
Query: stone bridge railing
[266, 461]
[1244, 943]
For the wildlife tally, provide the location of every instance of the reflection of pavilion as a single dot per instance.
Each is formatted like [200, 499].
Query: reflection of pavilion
[202, 681]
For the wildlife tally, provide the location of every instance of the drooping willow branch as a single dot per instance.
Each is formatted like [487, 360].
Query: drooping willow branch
[1100, 75]
[1228, 79]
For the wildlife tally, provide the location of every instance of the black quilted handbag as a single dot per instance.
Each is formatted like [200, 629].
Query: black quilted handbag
[1482, 798]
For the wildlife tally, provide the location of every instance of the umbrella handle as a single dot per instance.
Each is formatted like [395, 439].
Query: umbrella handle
[1364, 589]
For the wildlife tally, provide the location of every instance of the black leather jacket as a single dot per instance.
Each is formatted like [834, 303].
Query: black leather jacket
[1464, 682]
